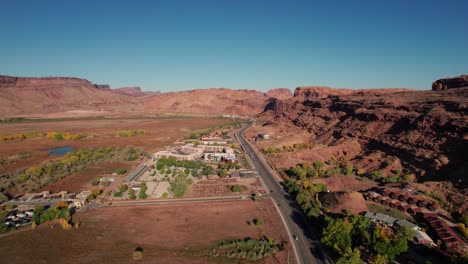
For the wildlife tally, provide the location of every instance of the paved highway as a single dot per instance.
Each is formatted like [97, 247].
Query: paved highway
[306, 246]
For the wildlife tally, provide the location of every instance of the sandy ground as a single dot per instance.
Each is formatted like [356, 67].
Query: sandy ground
[165, 232]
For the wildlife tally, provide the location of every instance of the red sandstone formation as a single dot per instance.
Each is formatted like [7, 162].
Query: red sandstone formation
[423, 131]
[212, 101]
[23, 96]
[449, 83]
[317, 92]
[280, 93]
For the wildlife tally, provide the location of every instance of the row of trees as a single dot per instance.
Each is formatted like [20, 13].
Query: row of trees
[287, 148]
[249, 249]
[27, 180]
[180, 184]
[130, 133]
[60, 211]
[65, 136]
[13, 159]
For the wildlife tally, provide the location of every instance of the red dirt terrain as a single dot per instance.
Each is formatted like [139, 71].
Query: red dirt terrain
[421, 131]
[167, 233]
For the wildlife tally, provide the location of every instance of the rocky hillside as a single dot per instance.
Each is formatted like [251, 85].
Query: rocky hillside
[420, 131]
[317, 92]
[64, 96]
[280, 93]
[23, 96]
[212, 101]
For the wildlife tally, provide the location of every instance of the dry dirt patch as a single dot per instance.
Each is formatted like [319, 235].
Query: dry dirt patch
[110, 234]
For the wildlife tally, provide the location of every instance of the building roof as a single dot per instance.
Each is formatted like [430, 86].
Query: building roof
[406, 223]
[380, 217]
[420, 235]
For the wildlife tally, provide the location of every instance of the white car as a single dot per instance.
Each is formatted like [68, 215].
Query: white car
[295, 237]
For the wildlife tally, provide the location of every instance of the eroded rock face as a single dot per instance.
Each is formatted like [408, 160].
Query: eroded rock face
[280, 93]
[212, 100]
[450, 83]
[424, 131]
[318, 92]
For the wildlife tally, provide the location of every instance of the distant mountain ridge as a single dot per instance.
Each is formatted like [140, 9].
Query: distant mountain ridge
[34, 96]
[26, 96]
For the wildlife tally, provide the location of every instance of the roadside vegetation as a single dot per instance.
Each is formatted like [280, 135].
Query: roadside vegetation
[287, 148]
[36, 177]
[247, 249]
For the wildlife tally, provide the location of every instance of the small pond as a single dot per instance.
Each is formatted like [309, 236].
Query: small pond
[61, 151]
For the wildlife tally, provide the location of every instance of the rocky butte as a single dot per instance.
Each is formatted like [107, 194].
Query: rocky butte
[450, 83]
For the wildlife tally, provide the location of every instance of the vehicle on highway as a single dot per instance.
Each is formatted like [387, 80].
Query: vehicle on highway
[295, 237]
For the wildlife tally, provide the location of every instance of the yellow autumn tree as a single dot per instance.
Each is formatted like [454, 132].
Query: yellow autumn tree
[35, 171]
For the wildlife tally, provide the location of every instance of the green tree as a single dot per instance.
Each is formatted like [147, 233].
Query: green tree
[318, 165]
[349, 168]
[235, 188]
[121, 171]
[207, 170]
[353, 258]
[143, 188]
[222, 173]
[337, 235]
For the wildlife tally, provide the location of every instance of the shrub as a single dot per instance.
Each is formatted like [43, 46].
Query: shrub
[235, 188]
[222, 173]
[95, 181]
[121, 171]
[137, 253]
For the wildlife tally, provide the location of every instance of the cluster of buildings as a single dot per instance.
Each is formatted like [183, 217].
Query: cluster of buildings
[25, 205]
[211, 148]
[443, 231]
[46, 198]
[423, 209]
[388, 221]
[402, 201]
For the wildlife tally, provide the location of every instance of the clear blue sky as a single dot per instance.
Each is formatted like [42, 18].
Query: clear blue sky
[178, 45]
